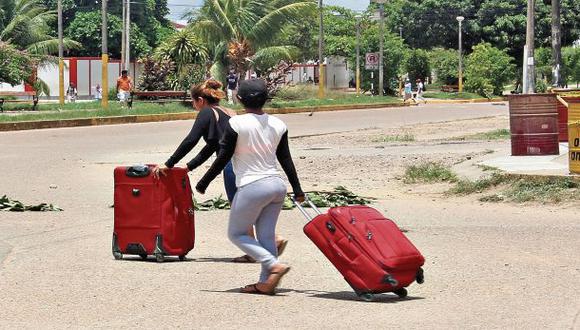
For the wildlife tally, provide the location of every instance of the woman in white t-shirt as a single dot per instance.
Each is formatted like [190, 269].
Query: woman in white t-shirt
[256, 142]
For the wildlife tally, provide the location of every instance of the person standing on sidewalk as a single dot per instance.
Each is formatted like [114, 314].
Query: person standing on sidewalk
[254, 141]
[124, 88]
[420, 90]
[232, 86]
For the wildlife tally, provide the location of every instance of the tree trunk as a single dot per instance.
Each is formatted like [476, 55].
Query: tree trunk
[556, 44]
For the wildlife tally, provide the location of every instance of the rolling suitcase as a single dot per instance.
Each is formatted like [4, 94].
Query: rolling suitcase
[153, 216]
[369, 250]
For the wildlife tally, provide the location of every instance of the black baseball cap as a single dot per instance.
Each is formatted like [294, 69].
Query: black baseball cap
[253, 89]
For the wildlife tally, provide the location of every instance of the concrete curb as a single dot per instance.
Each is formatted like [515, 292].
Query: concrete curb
[116, 120]
[439, 101]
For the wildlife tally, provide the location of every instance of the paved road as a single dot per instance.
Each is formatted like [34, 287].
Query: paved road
[513, 268]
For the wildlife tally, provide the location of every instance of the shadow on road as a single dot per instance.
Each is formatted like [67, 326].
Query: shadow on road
[226, 260]
[340, 295]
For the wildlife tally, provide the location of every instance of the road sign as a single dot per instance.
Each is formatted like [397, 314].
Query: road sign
[372, 61]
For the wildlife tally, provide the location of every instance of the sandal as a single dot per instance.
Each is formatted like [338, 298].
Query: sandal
[245, 259]
[282, 246]
[275, 281]
[253, 289]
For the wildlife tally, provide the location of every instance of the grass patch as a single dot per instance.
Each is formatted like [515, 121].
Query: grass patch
[498, 134]
[347, 99]
[451, 96]
[521, 190]
[466, 187]
[92, 110]
[543, 190]
[407, 137]
[429, 172]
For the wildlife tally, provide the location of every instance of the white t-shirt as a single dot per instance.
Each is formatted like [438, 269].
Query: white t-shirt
[258, 139]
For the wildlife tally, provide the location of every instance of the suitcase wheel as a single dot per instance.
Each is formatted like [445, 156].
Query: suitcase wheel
[366, 296]
[159, 257]
[420, 276]
[143, 256]
[182, 257]
[118, 255]
[402, 293]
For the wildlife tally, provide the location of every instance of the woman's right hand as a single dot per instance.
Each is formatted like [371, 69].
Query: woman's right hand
[160, 170]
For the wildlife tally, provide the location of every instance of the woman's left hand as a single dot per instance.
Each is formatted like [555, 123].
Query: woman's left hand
[160, 170]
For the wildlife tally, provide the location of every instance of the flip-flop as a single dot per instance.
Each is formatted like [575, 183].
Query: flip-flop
[253, 289]
[245, 259]
[282, 246]
[276, 281]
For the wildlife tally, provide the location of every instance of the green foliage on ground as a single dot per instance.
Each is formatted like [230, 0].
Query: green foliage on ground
[451, 96]
[520, 189]
[339, 196]
[407, 137]
[429, 172]
[488, 70]
[81, 110]
[499, 134]
[7, 204]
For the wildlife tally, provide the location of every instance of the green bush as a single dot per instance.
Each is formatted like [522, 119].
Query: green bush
[488, 70]
[571, 70]
[416, 64]
[15, 66]
[445, 63]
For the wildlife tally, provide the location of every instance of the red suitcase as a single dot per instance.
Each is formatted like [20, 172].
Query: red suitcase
[369, 250]
[153, 216]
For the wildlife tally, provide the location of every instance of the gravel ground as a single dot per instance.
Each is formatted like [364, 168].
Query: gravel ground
[489, 266]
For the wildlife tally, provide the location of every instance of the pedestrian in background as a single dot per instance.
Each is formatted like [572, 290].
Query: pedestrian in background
[98, 92]
[232, 86]
[408, 90]
[124, 88]
[71, 93]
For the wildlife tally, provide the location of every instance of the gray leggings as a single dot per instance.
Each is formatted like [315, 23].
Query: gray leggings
[258, 203]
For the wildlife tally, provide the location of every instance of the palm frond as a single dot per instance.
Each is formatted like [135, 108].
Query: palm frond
[265, 30]
[269, 57]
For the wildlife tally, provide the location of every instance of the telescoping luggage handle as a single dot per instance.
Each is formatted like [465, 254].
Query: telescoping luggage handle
[302, 210]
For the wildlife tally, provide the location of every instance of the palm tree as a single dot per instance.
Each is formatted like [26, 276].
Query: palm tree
[27, 28]
[243, 33]
[186, 50]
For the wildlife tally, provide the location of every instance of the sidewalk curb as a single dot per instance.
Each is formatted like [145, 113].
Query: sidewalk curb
[116, 120]
[440, 101]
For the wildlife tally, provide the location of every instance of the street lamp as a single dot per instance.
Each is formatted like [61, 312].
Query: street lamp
[358, 17]
[321, 74]
[460, 20]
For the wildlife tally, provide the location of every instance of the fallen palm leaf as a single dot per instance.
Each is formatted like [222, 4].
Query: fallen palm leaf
[7, 204]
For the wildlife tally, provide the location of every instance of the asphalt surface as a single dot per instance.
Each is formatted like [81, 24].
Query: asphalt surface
[506, 267]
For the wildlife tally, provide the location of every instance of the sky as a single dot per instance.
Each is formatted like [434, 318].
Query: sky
[179, 7]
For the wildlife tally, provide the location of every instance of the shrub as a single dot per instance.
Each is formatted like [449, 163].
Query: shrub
[156, 74]
[417, 65]
[445, 63]
[488, 70]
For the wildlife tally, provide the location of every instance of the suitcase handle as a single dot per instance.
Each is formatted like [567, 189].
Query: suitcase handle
[138, 171]
[302, 210]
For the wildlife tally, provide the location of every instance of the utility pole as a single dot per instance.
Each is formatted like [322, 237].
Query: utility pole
[123, 35]
[104, 57]
[128, 37]
[381, 43]
[358, 17]
[556, 44]
[531, 72]
[60, 57]
[321, 73]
